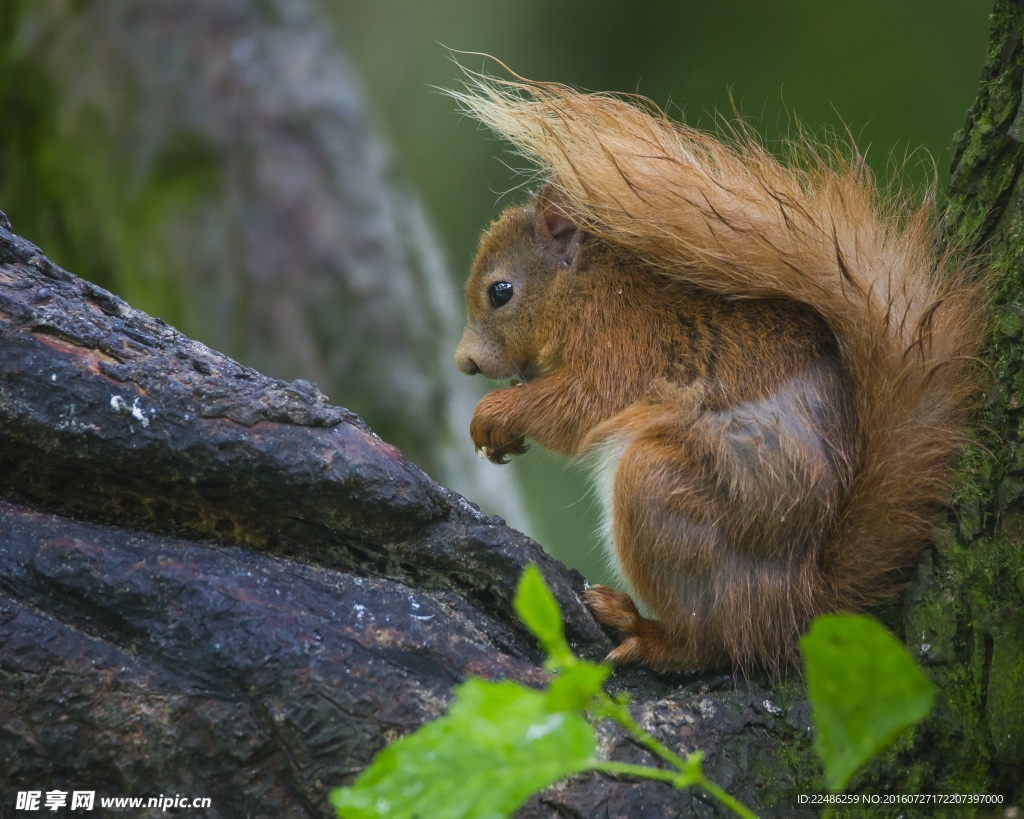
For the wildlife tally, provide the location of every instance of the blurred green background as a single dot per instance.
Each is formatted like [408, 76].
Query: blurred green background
[898, 76]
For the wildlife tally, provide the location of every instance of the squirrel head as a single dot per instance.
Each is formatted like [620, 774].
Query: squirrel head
[525, 259]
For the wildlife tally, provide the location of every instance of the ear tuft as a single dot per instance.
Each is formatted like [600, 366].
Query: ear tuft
[559, 235]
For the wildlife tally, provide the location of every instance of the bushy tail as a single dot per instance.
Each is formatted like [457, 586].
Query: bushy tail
[730, 217]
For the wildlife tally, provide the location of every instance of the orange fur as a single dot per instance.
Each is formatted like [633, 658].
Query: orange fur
[772, 359]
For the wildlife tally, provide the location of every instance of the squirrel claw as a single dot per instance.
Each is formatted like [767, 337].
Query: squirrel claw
[499, 455]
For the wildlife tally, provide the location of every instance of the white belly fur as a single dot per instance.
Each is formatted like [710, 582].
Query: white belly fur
[602, 461]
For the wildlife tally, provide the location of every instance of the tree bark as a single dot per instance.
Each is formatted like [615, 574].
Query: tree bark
[237, 181]
[970, 612]
[215, 584]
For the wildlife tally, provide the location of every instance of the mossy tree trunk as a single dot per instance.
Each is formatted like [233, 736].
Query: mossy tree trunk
[964, 616]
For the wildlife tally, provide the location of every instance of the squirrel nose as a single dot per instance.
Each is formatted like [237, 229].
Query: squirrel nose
[466, 364]
[464, 354]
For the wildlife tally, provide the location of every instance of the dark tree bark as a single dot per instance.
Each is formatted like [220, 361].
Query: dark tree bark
[215, 584]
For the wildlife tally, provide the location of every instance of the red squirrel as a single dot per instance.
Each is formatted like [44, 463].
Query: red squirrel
[769, 366]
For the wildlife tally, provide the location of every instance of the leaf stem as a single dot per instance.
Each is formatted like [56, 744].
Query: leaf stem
[690, 772]
[619, 713]
[730, 802]
[677, 779]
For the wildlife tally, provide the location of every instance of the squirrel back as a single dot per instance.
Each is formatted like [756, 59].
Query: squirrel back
[733, 222]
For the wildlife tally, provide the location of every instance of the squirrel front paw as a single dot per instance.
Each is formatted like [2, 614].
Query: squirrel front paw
[492, 431]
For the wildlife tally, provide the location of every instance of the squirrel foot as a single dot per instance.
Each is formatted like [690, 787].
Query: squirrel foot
[645, 644]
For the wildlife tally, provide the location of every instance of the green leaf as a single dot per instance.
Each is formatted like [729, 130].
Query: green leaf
[499, 743]
[864, 689]
[537, 608]
[574, 687]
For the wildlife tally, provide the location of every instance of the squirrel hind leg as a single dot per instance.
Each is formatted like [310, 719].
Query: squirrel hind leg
[646, 641]
[717, 526]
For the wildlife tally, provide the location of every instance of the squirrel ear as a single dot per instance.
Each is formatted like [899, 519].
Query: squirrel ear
[556, 231]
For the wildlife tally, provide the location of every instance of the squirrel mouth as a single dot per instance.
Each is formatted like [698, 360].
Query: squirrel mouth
[524, 374]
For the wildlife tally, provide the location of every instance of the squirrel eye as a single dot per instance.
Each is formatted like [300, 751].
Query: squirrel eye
[500, 293]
